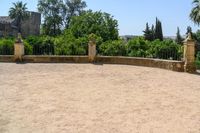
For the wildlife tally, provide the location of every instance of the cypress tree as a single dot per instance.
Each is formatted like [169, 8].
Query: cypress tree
[158, 30]
[153, 32]
[179, 39]
[147, 33]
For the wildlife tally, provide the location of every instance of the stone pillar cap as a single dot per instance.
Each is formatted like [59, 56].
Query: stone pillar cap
[189, 38]
[19, 38]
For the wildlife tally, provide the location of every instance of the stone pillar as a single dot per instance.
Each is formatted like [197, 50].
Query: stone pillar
[189, 55]
[92, 50]
[19, 49]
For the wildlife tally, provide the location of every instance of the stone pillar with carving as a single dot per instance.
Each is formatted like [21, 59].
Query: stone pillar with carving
[189, 54]
[92, 50]
[19, 49]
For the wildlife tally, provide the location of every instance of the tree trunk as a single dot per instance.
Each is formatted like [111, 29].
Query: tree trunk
[19, 25]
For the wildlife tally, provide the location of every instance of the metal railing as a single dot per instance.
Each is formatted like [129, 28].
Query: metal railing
[6, 50]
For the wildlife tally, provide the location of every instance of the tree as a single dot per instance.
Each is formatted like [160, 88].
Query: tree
[158, 30]
[18, 12]
[51, 11]
[179, 39]
[153, 32]
[101, 24]
[72, 8]
[195, 12]
[149, 33]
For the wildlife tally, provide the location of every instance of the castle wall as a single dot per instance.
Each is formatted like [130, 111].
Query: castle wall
[31, 26]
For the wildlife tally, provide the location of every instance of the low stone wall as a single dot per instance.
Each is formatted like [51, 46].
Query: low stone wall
[55, 59]
[6, 58]
[147, 62]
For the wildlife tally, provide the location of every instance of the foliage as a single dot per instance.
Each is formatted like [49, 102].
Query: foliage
[28, 48]
[67, 44]
[6, 46]
[198, 56]
[158, 30]
[195, 12]
[43, 45]
[138, 47]
[149, 33]
[51, 11]
[154, 33]
[179, 39]
[166, 49]
[98, 23]
[113, 48]
[198, 60]
[72, 8]
[18, 12]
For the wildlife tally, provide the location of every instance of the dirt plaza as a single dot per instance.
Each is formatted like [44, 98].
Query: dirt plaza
[97, 98]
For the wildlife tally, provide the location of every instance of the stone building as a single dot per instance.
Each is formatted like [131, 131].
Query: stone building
[30, 26]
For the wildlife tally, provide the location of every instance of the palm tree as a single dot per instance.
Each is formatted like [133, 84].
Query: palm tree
[195, 13]
[19, 13]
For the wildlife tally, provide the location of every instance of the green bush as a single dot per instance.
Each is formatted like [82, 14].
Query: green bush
[166, 49]
[28, 48]
[67, 44]
[113, 48]
[43, 45]
[138, 47]
[6, 46]
[198, 60]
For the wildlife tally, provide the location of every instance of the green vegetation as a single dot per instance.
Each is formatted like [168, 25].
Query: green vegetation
[198, 60]
[18, 12]
[179, 39]
[195, 13]
[58, 14]
[99, 23]
[113, 48]
[6, 46]
[154, 33]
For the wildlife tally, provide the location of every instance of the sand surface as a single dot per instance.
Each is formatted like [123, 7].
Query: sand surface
[87, 98]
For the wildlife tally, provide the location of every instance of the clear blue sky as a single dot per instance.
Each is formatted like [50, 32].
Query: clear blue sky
[132, 15]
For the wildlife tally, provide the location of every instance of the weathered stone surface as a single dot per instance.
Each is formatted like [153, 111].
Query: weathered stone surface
[189, 55]
[92, 51]
[6, 58]
[30, 26]
[164, 64]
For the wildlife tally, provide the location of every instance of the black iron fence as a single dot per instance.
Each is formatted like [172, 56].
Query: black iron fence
[169, 53]
[197, 62]
[6, 50]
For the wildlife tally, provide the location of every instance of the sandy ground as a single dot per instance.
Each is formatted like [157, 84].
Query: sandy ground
[87, 98]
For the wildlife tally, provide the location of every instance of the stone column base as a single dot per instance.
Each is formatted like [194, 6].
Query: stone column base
[190, 68]
[92, 59]
[19, 52]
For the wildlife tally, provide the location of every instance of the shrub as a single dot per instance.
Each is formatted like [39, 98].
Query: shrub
[6, 47]
[138, 47]
[198, 60]
[28, 48]
[113, 48]
[166, 49]
[43, 45]
[67, 44]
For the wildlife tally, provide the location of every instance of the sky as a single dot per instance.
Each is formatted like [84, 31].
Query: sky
[132, 15]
